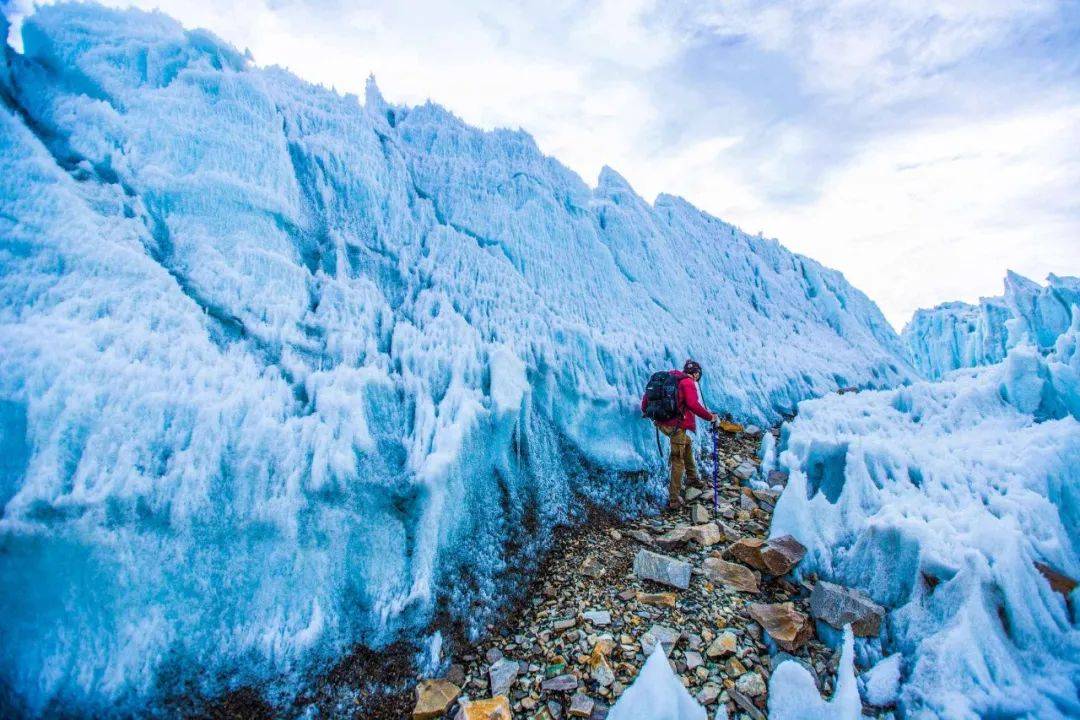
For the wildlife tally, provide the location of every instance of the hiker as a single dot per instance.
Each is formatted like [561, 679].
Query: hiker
[671, 402]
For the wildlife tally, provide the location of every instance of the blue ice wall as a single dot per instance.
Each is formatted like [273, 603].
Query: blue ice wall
[958, 335]
[282, 371]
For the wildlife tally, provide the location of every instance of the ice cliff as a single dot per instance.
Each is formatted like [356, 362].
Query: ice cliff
[281, 371]
[956, 505]
[958, 335]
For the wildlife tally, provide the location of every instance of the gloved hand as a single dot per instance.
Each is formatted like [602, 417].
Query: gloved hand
[715, 422]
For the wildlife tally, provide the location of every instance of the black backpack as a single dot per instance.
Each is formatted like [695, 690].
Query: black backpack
[662, 394]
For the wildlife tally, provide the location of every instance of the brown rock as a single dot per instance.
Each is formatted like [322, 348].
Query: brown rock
[673, 538]
[1058, 582]
[781, 554]
[434, 698]
[785, 625]
[748, 551]
[496, 708]
[732, 575]
[664, 599]
[725, 644]
[839, 606]
[706, 535]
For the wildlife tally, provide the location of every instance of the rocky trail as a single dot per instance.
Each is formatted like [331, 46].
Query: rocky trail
[708, 587]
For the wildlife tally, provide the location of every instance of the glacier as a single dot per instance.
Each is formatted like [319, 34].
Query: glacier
[960, 335]
[284, 372]
[953, 504]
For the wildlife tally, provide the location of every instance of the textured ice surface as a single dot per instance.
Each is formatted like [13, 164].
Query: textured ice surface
[657, 694]
[793, 694]
[938, 499]
[281, 371]
[958, 335]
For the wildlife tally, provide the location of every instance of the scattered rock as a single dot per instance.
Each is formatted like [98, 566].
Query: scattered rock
[788, 627]
[780, 555]
[693, 494]
[455, 674]
[581, 705]
[501, 675]
[641, 536]
[665, 599]
[493, 655]
[750, 684]
[592, 567]
[731, 575]
[777, 477]
[1058, 582]
[748, 551]
[752, 430]
[674, 538]
[745, 470]
[433, 698]
[662, 634]
[746, 704]
[560, 683]
[615, 534]
[662, 569]
[730, 427]
[597, 617]
[628, 594]
[725, 644]
[708, 694]
[601, 670]
[564, 623]
[496, 708]
[693, 659]
[840, 606]
[698, 514]
[706, 535]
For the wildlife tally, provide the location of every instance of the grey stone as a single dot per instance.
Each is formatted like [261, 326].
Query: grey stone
[693, 659]
[747, 705]
[560, 683]
[662, 569]
[501, 675]
[698, 514]
[581, 705]
[708, 694]
[597, 617]
[752, 430]
[745, 470]
[839, 606]
[667, 637]
[751, 684]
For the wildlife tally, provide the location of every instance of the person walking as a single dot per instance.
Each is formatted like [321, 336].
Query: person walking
[672, 402]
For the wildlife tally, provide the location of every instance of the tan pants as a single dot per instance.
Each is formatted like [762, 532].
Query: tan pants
[682, 462]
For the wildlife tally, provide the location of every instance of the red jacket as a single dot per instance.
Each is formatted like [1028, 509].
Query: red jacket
[688, 401]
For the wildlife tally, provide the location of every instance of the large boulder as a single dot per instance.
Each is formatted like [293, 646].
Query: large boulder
[731, 575]
[662, 569]
[788, 627]
[839, 606]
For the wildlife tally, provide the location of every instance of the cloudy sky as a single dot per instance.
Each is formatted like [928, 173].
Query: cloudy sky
[921, 147]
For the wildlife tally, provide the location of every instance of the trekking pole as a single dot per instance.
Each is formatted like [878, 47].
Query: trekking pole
[715, 471]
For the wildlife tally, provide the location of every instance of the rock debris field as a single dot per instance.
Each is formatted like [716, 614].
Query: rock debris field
[706, 585]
